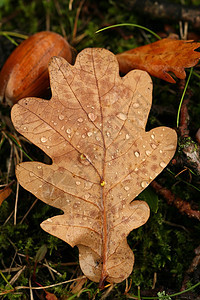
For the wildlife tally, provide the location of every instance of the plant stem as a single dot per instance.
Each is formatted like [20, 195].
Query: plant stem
[182, 97]
[130, 24]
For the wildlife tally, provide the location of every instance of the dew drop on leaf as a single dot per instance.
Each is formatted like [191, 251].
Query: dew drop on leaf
[92, 116]
[122, 116]
[43, 139]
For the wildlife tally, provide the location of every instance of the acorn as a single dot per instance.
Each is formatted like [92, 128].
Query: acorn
[25, 73]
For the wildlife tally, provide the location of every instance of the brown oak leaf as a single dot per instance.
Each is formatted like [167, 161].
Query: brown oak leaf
[93, 128]
[161, 57]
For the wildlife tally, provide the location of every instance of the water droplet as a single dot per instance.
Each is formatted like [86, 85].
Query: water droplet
[68, 130]
[39, 167]
[31, 174]
[92, 116]
[80, 120]
[89, 133]
[25, 128]
[126, 188]
[61, 117]
[48, 147]
[88, 185]
[78, 183]
[122, 116]
[108, 133]
[43, 139]
[136, 169]
[49, 220]
[83, 136]
[85, 218]
[153, 146]
[163, 164]
[169, 147]
[55, 123]
[62, 127]
[127, 136]
[137, 154]
[87, 196]
[144, 184]
[161, 151]
[136, 105]
[68, 201]
[153, 136]
[148, 152]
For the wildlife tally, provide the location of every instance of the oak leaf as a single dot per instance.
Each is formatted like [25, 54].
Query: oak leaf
[161, 57]
[93, 128]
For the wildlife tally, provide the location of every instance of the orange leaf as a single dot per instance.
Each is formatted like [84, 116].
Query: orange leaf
[161, 57]
[4, 193]
[93, 128]
[50, 296]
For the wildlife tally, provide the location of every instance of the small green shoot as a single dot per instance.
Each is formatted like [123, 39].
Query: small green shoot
[130, 24]
[182, 97]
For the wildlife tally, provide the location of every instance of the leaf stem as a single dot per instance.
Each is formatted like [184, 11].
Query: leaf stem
[130, 24]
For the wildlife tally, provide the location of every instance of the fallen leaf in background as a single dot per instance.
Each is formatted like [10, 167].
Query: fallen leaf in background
[4, 194]
[161, 57]
[50, 296]
[93, 128]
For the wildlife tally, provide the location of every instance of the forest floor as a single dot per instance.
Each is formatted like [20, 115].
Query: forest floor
[33, 263]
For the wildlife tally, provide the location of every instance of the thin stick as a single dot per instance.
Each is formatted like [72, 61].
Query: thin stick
[26, 214]
[16, 202]
[40, 288]
[31, 291]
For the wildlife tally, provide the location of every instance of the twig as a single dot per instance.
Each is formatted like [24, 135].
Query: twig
[76, 20]
[191, 269]
[17, 275]
[16, 202]
[26, 214]
[186, 144]
[57, 5]
[50, 271]
[161, 9]
[31, 290]
[183, 206]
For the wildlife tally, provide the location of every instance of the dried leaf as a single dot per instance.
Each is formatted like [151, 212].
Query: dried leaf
[93, 128]
[50, 296]
[161, 57]
[4, 194]
[77, 285]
